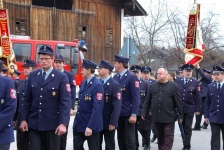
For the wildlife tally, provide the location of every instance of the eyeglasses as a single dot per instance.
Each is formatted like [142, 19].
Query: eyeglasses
[44, 59]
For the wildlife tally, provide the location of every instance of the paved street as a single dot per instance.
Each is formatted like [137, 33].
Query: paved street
[200, 140]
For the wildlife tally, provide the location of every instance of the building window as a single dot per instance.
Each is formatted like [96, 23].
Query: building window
[109, 37]
[59, 4]
[21, 27]
[82, 32]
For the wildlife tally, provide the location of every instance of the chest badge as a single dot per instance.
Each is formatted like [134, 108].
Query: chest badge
[106, 98]
[53, 93]
[2, 101]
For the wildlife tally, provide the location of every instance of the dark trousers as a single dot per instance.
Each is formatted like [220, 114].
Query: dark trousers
[79, 139]
[144, 127]
[199, 117]
[154, 129]
[44, 140]
[64, 140]
[4, 146]
[165, 135]
[108, 138]
[187, 125]
[215, 140]
[126, 134]
[22, 140]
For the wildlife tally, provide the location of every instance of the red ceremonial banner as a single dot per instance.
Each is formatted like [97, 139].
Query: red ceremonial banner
[4, 31]
[194, 44]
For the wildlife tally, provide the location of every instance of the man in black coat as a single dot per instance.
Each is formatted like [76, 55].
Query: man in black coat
[203, 83]
[161, 100]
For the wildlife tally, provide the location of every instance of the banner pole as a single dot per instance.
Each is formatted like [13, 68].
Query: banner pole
[1, 5]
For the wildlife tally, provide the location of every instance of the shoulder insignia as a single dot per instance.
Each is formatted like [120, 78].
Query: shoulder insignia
[68, 88]
[13, 93]
[118, 96]
[137, 84]
[99, 96]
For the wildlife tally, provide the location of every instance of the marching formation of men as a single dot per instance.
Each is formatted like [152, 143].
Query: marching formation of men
[39, 106]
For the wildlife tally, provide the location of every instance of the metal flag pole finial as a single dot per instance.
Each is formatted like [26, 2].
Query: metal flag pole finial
[1, 5]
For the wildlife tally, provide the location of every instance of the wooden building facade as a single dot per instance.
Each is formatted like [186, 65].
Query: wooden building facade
[98, 22]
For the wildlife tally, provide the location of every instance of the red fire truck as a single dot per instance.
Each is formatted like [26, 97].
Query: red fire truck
[25, 48]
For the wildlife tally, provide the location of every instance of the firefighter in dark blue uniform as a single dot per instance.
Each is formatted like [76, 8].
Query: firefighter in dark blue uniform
[143, 126]
[59, 65]
[203, 83]
[112, 104]
[89, 121]
[130, 103]
[7, 111]
[146, 70]
[22, 138]
[214, 107]
[189, 90]
[47, 104]
[16, 75]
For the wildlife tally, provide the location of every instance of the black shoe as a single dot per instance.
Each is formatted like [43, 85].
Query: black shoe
[153, 138]
[204, 126]
[196, 129]
[143, 144]
[147, 147]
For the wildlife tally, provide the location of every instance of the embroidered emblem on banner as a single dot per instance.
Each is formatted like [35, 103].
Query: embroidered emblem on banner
[99, 96]
[13, 93]
[68, 87]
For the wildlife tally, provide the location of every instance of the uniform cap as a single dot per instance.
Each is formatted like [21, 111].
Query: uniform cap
[135, 68]
[217, 70]
[187, 67]
[146, 69]
[208, 71]
[181, 69]
[121, 59]
[29, 63]
[17, 72]
[88, 64]
[46, 50]
[105, 64]
[59, 58]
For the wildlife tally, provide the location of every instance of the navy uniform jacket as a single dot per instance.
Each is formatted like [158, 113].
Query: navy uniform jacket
[190, 95]
[47, 103]
[204, 82]
[16, 82]
[73, 87]
[214, 104]
[90, 107]
[112, 103]
[151, 81]
[130, 93]
[20, 94]
[7, 109]
[143, 92]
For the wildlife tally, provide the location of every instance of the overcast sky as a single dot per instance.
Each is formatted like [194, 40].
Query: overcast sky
[215, 5]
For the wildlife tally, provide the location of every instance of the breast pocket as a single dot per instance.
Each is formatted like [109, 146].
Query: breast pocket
[142, 93]
[53, 91]
[34, 90]
[108, 98]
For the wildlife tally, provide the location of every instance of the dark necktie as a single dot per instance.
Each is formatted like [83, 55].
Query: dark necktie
[186, 81]
[219, 87]
[85, 83]
[43, 77]
[102, 81]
